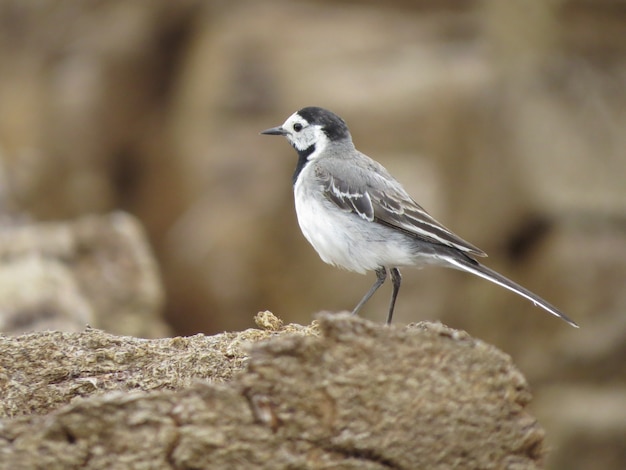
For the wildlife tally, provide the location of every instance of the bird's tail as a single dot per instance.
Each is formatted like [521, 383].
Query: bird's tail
[474, 267]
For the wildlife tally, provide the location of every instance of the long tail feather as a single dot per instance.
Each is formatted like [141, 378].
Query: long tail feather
[478, 269]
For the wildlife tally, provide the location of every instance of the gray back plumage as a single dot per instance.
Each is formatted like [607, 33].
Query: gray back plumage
[364, 187]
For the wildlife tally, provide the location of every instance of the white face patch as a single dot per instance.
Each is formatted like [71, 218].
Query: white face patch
[303, 135]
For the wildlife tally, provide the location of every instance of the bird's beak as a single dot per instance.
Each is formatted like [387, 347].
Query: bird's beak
[275, 131]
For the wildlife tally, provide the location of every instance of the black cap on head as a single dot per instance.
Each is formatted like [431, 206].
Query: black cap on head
[333, 126]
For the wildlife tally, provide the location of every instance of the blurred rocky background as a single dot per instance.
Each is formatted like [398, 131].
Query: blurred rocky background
[506, 120]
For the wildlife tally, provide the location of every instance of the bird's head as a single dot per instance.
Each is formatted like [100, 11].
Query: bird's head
[311, 129]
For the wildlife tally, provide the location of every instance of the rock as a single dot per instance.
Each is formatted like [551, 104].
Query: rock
[354, 394]
[96, 270]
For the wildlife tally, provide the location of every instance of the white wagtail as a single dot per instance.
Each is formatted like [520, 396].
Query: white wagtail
[358, 217]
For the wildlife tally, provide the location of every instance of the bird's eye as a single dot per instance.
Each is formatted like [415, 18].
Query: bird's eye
[297, 127]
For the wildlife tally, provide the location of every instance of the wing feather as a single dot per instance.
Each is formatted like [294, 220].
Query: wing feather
[378, 197]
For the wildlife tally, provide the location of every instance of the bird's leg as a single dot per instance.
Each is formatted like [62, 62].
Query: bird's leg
[396, 279]
[381, 276]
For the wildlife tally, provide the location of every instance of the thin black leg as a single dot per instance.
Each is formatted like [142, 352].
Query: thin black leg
[381, 276]
[396, 279]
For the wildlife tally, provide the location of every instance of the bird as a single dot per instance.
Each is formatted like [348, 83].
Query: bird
[358, 217]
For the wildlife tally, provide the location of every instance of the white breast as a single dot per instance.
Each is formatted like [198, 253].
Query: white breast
[344, 239]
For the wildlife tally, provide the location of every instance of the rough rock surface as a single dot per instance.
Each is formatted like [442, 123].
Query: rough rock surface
[344, 393]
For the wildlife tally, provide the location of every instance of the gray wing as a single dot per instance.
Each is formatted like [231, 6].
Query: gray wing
[374, 195]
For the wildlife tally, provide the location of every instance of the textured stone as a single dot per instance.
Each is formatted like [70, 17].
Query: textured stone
[353, 395]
